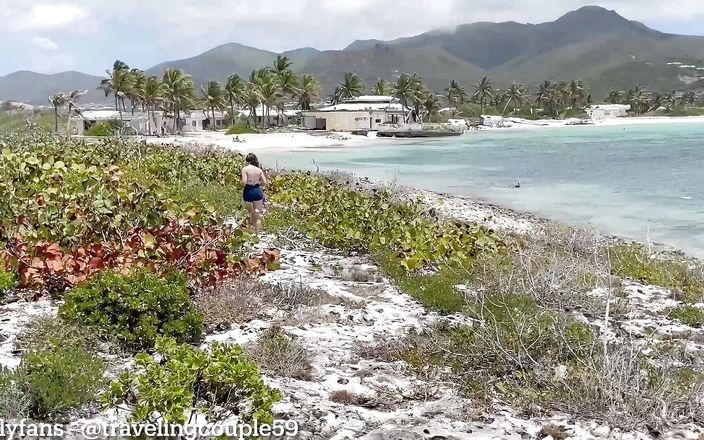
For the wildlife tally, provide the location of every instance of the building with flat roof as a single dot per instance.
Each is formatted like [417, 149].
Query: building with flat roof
[608, 111]
[362, 113]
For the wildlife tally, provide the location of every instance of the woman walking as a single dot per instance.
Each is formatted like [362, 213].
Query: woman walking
[254, 181]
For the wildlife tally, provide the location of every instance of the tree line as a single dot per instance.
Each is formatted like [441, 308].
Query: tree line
[277, 85]
[644, 101]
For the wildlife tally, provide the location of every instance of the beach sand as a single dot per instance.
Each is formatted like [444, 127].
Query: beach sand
[299, 140]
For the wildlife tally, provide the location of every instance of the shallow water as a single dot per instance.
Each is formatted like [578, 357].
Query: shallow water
[644, 182]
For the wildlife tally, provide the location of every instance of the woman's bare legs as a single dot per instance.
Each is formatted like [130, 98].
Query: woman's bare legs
[250, 210]
[257, 213]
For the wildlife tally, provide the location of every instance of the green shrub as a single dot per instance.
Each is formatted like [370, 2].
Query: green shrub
[101, 129]
[60, 378]
[218, 383]
[46, 332]
[689, 315]
[338, 216]
[135, 308]
[8, 281]
[14, 402]
[632, 261]
[239, 129]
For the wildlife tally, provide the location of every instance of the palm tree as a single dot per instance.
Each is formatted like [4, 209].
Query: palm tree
[382, 88]
[288, 86]
[577, 92]
[136, 90]
[118, 83]
[309, 92]
[615, 97]
[251, 99]
[350, 87]
[154, 92]
[516, 93]
[456, 94]
[550, 95]
[57, 101]
[234, 88]
[431, 105]
[179, 93]
[484, 90]
[669, 99]
[72, 102]
[286, 80]
[406, 90]
[266, 85]
[214, 98]
[689, 98]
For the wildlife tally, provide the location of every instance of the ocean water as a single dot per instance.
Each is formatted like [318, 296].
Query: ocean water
[644, 182]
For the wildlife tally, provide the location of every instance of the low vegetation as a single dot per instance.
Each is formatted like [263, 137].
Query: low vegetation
[239, 129]
[59, 374]
[60, 378]
[279, 354]
[373, 221]
[135, 309]
[217, 383]
[683, 278]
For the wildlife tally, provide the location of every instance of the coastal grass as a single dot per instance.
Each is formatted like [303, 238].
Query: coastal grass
[686, 279]
[240, 129]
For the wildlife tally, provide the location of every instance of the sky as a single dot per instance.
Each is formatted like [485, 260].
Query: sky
[88, 35]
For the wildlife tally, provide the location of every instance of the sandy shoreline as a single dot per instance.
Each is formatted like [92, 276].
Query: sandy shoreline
[304, 140]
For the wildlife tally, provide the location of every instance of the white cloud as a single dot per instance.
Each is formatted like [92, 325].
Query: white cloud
[45, 44]
[46, 16]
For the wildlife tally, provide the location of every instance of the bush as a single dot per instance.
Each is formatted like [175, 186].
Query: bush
[340, 217]
[689, 315]
[47, 332]
[239, 129]
[14, 402]
[135, 308]
[632, 261]
[8, 281]
[280, 355]
[60, 378]
[101, 129]
[219, 383]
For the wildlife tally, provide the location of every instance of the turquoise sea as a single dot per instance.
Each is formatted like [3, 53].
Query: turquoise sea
[644, 182]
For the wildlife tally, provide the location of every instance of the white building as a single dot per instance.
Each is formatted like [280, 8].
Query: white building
[363, 113]
[608, 111]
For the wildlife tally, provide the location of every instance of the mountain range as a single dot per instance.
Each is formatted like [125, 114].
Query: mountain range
[593, 44]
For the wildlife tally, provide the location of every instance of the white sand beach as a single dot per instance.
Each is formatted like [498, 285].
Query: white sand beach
[297, 140]
[265, 141]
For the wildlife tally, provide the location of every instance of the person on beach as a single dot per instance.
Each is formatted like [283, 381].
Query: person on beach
[254, 181]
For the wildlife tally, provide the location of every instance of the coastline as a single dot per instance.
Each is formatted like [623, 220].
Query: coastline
[298, 140]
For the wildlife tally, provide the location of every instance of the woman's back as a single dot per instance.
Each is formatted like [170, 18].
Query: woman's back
[252, 175]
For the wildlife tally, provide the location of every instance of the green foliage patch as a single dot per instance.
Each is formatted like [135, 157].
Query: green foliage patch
[688, 315]
[633, 261]
[239, 129]
[60, 378]
[343, 218]
[135, 309]
[218, 383]
[8, 281]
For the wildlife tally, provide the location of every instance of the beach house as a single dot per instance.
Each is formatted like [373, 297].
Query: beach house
[362, 113]
[608, 111]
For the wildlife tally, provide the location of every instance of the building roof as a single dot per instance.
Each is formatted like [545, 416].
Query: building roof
[611, 107]
[107, 115]
[372, 98]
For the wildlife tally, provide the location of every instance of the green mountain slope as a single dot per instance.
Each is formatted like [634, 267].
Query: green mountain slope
[592, 44]
[218, 63]
[35, 88]
[434, 64]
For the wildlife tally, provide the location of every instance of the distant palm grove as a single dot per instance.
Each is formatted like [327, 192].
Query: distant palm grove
[277, 87]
